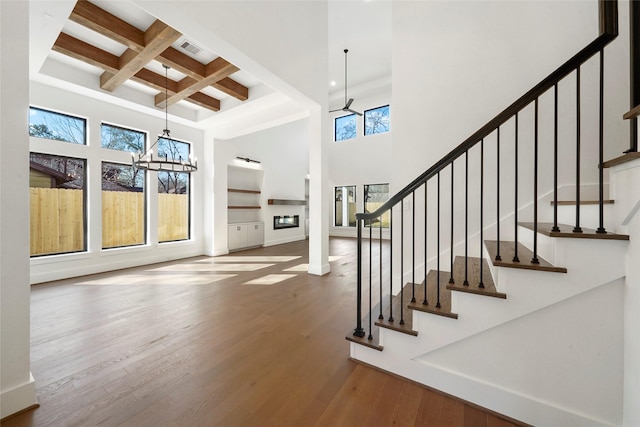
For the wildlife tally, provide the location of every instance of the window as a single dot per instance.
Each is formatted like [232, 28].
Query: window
[376, 120]
[57, 197]
[123, 206]
[345, 206]
[117, 138]
[173, 194]
[374, 196]
[345, 127]
[56, 126]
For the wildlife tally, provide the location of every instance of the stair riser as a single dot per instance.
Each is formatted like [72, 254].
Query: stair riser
[589, 216]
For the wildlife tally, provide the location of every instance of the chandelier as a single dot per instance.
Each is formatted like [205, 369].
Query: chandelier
[163, 163]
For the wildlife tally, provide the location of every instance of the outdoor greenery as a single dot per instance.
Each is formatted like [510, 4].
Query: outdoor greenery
[345, 127]
[56, 126]
[376, 120]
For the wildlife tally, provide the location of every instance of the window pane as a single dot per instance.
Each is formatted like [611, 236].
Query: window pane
[172, 149]
[117, 138]
[123, 205]
[374, 196]
[376, 120]
[56, 126]
[173, 206]
[57, 198]
[345, 206]
[345, 127]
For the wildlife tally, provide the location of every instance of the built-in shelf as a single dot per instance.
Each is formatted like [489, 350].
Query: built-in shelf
[243, 207]
[286, 202]
[238, 190]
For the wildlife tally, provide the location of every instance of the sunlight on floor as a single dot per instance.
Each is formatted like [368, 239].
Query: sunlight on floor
[145, 279]
[212, 267]
[270, 279]
[251, 259]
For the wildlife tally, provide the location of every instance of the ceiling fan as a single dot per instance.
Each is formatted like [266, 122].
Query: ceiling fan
[347, 101]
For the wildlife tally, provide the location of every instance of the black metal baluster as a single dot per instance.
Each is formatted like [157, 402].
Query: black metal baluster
[515, 212]
[498, 257]
[359, 332]
[481, 283]
[370, 281]
[380, 317]
[577, 228]
[391, 319]
[601, 229]
[466, 218]
[534, 259]
[451, 247]
[413, 252]
[555, 159]
[425, 301]
[402, 262]
[438, 248]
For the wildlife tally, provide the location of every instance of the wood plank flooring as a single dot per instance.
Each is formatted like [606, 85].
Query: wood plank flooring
[188, 343]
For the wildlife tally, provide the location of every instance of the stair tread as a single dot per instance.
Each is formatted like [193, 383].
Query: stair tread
[507, 251]
[432, 298]
[621, 159]
[473, 277]
[373, 343]
[395, 325]
[567, 231]
[634, 112]
[582, 202]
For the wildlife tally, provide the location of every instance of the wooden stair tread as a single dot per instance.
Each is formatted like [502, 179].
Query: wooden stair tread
[473, 277]
[567, 231]
[396, 304]
[633, 113]
[582, 202]
[507, 251]
[432, 298]
[373, 343]
[622, 159]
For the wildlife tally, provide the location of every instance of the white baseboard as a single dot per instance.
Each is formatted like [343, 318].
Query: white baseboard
[18, 398]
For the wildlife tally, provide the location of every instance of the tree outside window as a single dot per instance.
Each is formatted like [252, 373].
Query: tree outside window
[345, 127]
[376, 120]
[374, 196]
[117, 138]
[56, 126]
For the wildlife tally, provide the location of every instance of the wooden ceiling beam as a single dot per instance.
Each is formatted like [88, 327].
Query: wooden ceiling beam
[232, 88]
[216, 70]
[158, 37]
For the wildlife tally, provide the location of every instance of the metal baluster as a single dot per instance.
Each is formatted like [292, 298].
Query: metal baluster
[498, 257]
[380, 317]
[515, 228]
[481, 284]
[413, 252]
[391, 265]
[359, 332]
[535, 259]
[402, 262]
[466, 218]
[555, 159]
[451, 247]
[370, 281]
[425, 301]
[438, 248]
[601, 229]
[577, 228]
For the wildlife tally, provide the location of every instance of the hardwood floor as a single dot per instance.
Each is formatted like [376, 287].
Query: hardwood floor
[187, 343]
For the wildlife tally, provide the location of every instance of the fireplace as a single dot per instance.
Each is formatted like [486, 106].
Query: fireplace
[286, 221]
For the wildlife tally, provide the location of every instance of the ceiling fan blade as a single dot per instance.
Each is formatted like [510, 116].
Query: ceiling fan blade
[352, 111]
[348, 104]
[333, 111]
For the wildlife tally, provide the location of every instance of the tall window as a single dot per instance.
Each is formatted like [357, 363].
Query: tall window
[376, 120]
[374, 196]
[57, 126]
[117, 138]
[123, 206]
[345, 206]
[173, 194]
[57, 197]
[345, 127]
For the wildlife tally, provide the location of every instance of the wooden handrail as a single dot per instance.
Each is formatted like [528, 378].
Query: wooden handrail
[608, 13]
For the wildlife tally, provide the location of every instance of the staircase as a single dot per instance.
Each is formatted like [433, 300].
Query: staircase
[501, 286]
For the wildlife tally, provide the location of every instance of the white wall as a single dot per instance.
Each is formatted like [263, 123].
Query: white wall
[17, 390]
[95, 260]
[283, 153]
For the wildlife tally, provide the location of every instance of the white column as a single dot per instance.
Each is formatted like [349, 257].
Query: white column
[319, 193]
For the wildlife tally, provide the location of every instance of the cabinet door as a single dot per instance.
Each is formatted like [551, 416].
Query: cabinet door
[237, 236]
[255, 234]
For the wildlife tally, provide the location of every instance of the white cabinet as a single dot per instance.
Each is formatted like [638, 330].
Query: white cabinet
[245, 235]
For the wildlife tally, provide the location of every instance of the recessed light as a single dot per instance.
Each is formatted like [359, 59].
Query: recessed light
[333, 83]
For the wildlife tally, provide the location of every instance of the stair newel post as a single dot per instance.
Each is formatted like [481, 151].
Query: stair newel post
[359, 332]
[370, 279]
[481, 284]
[402, 262]
[391, 264]
[438, 248]
[577, 228]
[535, 259]
[466, 218]
[555, 158]
[425, 301]
[451, 243]
[413, 245]
[515, 211]
[380, 317]
[498, 257]
[601, 229]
